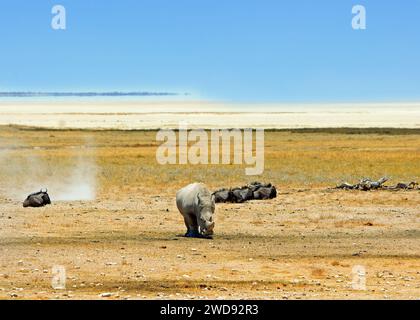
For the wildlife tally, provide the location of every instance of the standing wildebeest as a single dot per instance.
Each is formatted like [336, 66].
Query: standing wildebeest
[37, 199]
[196, 204]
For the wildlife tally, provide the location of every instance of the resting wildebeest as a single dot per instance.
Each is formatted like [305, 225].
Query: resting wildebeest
[37, 199]
[223, 195]
[265, 193]
[262, 191]
[196, 204]
[242, 194]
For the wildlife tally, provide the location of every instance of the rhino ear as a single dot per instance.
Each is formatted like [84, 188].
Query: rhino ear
[213, 198]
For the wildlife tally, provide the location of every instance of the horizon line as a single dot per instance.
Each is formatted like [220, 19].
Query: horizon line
[24, 94]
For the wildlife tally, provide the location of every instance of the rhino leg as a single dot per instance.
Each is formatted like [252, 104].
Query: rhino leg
[192, 226]
[192, 234]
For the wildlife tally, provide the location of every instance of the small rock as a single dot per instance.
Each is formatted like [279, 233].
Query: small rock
[105, 294]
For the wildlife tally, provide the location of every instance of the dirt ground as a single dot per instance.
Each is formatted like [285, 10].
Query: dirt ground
[127, 242]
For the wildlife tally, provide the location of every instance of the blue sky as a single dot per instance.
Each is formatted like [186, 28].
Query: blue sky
[233, 50]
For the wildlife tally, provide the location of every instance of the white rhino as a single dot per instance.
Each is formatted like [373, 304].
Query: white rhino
[197, 206]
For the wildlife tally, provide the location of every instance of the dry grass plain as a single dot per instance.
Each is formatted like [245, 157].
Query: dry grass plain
[301, 245]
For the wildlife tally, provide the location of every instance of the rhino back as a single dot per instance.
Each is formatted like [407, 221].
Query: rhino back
[186, 198]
